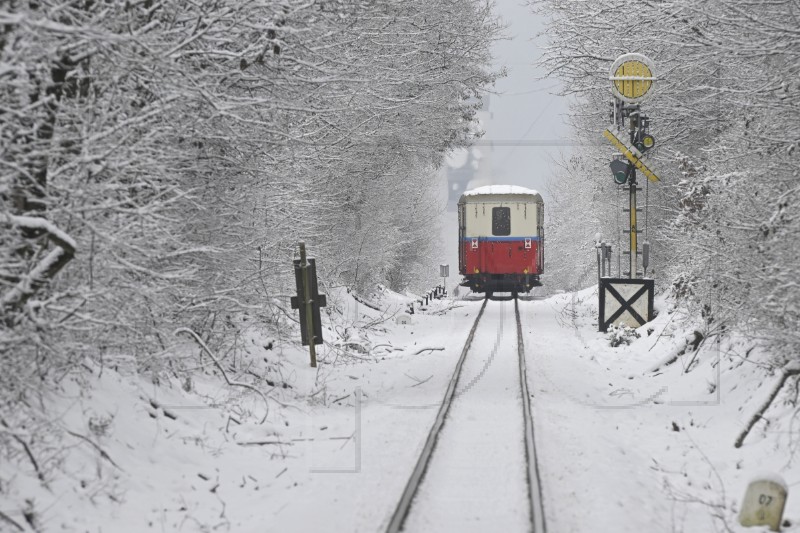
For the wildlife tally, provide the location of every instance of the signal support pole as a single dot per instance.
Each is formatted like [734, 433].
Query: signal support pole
[307, 304]
[634, 124]
[634, 241]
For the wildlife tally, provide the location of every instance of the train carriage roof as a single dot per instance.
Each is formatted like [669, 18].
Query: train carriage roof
[503, 193]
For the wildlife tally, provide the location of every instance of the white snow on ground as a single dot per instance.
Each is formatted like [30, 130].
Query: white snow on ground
[628, 442]
[637, 437]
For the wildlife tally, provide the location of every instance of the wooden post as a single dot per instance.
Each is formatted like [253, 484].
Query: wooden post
[599, 259]
[307, 305]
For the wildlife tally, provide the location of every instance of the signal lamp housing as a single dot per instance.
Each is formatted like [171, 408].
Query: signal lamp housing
[646, 142]
[620, 170]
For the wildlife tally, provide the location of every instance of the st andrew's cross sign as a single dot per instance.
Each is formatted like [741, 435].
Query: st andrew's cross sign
[625, 302]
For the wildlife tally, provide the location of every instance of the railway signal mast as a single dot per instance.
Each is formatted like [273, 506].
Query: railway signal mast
[629, 301]
[632, 77]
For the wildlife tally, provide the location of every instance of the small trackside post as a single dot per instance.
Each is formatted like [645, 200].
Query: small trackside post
[312, 351]
[598, 243]
[308, 302]
[444, 272]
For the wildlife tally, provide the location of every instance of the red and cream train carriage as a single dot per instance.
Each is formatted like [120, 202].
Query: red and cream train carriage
[501, 239]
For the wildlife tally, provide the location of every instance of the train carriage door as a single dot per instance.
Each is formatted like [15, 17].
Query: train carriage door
[501, 261]
[540, 233]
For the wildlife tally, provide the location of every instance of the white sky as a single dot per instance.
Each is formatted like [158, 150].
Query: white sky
[525, 108]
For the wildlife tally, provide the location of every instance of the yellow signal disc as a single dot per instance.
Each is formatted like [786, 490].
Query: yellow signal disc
[632, 76]
[633, 88]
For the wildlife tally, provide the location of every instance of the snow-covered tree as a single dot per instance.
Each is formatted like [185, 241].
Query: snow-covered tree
[160, 161]
[724, 218]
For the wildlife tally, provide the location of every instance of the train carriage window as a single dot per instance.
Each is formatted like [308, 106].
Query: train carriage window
[501, 221]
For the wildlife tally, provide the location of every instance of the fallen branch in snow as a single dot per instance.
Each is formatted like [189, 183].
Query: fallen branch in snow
[30, 456]
[446, 309]
[791, 369]
[231, 419]
[428, 349]
[386, 314]
[100, 450]
[47, 268]
[418, 381]
[662, 334]
[221, 369]
[389, 347]
[364, 302]
[11, 521]
[27, 449]
[264, 443]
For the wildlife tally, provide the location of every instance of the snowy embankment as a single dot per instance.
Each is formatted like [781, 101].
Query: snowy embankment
[190, 454]
[637, 437]
[640, 437]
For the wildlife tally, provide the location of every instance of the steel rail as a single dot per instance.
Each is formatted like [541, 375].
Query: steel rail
[403, 507]
[535, 500]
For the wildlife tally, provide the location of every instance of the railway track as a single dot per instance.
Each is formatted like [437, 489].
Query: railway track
[469, 473]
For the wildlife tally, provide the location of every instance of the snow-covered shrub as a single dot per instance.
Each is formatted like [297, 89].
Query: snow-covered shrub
[619, 335]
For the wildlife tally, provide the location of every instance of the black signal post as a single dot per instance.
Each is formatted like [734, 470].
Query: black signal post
[308, 301]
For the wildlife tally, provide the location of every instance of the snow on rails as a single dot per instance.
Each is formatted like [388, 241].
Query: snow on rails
[468, 475]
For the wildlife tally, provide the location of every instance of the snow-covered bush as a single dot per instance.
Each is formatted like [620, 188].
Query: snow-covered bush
[621, 335]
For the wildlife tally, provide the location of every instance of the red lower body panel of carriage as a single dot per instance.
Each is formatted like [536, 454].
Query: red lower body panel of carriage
[492, 264]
